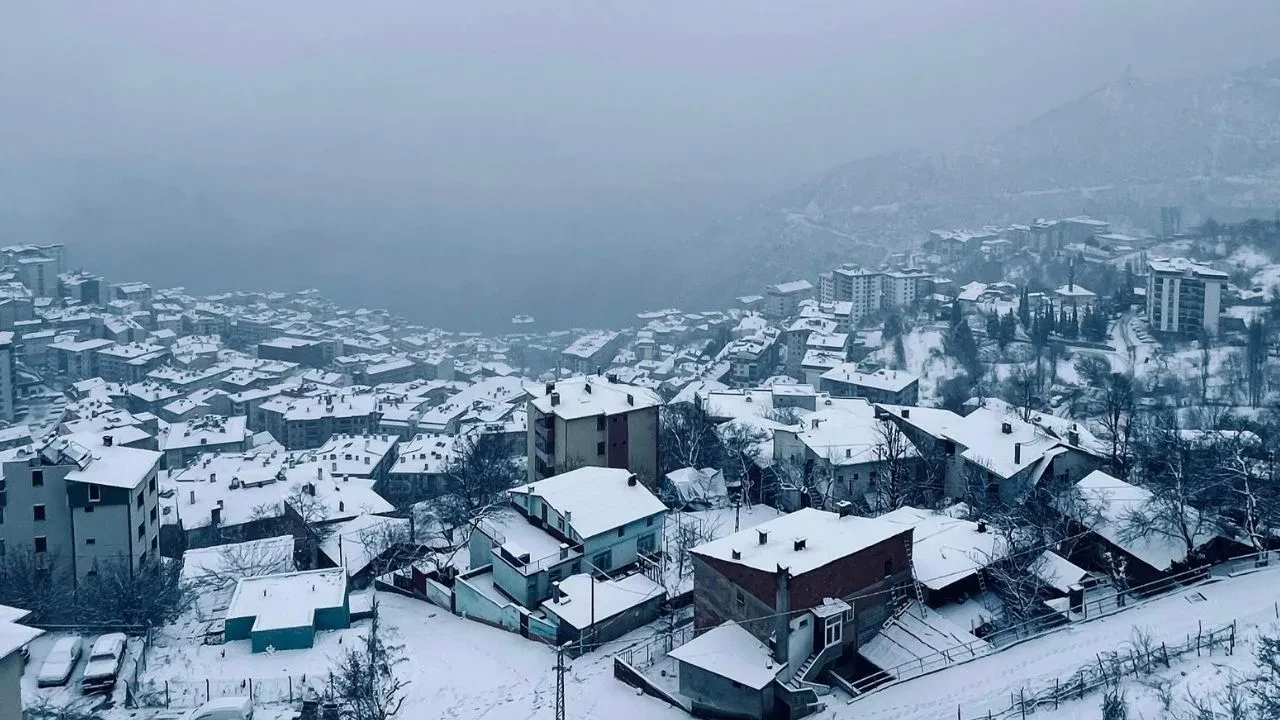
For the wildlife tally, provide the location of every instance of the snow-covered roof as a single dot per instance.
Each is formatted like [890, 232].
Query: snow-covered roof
[353, 454]
[579, 397]
[1185, 266]
[359, 541]
[790, 288]
[1074, 291]
[210, 430]
[580, 602]
[14, 636]
[111, 466]
[982, 435]
[1110, 503]
[588, 345]
[730, 652]
[425, 455]
[599, 499]
[847, 433]
[882, 379]
[287, 600]
[828, 537]
[944, 549]
[266, 556]
[697, 485]
[1058, 572]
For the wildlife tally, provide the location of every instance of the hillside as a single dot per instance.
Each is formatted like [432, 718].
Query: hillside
[1210, 145]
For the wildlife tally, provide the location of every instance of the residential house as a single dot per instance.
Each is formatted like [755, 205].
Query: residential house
[593, 421]
[896, 387]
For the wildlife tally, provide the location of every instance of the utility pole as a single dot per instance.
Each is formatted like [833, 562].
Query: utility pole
[560, 671]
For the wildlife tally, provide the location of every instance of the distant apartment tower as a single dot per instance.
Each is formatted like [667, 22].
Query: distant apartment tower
[593, 421]
[783, 300]
[1184, 297]
[869, 291]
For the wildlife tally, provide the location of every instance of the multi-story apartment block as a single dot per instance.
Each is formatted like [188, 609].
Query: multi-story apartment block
[130, 363]
[869, 291]
[593, 421]
[302, 422]
[1184, 296]
[7, 394]
[591, 352]
[783, 300]
[79, 502]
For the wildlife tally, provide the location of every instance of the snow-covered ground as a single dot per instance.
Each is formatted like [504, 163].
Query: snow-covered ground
[988, 682]
[457, 668]
[925, 357]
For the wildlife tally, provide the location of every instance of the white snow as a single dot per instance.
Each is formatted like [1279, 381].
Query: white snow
[600, 499]
[287, 600]
[583, 606]
[827, 538]
[730, 652]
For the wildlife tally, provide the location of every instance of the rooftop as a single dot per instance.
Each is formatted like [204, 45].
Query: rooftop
[287, 600]
[211, 430]
[945, 549]
[828, 537]
[882, 379]
[598, 499]
[581, 604]
[579, 397]
[1185, 266]
[790, 288]
[588, 345]
[730, 652]
[110, 466]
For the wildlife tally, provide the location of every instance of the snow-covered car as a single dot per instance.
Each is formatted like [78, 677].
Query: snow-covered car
[61, 660]
[105, 658]
[228, 708]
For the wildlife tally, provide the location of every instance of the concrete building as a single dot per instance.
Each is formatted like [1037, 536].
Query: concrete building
[308, 421]
[870, 291]
[897, 387]
[591, 352]
[1184, 297]
[130, 363]
[284, 611]
[309, 353]
[752, 358]
[813, 585]
[593, 421]
[80, 502]
[783, 300]
[8, 395]
[78, 359]
[13, 638]
[185, 441]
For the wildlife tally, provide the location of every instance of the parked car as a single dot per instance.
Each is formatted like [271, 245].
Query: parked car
[61, 660]
[105, 658]
[228, 708]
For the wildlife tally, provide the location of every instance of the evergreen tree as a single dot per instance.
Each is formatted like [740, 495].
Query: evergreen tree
[1008, 329]
[957, 313]
[993, 325]
[1024, 309]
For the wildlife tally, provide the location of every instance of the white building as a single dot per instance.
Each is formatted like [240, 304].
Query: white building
[1183, 296]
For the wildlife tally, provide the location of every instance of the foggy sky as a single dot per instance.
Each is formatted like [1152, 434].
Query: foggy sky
[444, 132]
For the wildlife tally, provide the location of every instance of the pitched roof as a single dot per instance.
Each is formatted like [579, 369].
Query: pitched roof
[598, 499]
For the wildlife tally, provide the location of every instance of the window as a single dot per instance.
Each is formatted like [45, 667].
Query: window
[603, 561]
[42, 544]
[577, 567]
[38, 512]
[600, 424]
[88, 508]
[600, 448]
[153, 514]
[140, 499]
[646, 544]
[155, 543]
[142, 530]
[37, 478]
[151, 486]
[888, 567]
[622, 531]
[848, 614]
[649, 521]
[554, 575]
[739, 601]
[1, 547]
[95, 493]
[833, 632]
[90, 541]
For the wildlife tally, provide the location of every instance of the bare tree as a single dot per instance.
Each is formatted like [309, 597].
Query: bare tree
[365, 683]
[152, 594]
[44, 708]
[1023, 391]
[480, 472]
[306, 518]
[42, 586]
[241, 560]
[687, 438]
[898, 462]
[1116, 410]
[743, 448]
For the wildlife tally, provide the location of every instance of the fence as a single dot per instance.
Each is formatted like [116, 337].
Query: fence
[193, 693]
[643, 656]
[1108, 669]
[1103, 605]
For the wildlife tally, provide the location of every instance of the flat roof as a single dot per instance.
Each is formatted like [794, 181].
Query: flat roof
[579, 397]
[583, 604]
[730, 652]
[287, 600]
[828, 538]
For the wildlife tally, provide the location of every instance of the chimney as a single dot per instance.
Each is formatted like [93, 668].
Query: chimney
[192, 501]
[555, 399]
[845, 508]
[798, 544]
[564, 551]
[342, 507]
[1073, 437]
[550, 386]
[631, 399]
[982, 526]
[906, 412]
[587, 387]
[568, 516]
[814, 422]
[782, 616]
[1017, 453]
[848, 452]
[1006, 427]
[107, 440]
[763, 535]
[735, 554]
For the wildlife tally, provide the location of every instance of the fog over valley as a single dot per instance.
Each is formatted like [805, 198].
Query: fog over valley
[459, 164]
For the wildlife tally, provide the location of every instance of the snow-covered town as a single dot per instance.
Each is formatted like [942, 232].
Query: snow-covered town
[1026, 469]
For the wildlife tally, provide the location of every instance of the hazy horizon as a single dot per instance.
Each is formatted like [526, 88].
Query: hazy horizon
[459, 165]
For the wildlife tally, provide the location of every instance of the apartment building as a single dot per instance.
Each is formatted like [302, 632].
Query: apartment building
[79, 502]
[1184, 297]
[302, 422]
[591, 352]
[130, 363]
[783, 300]
[8, 396]
[593, 421]
[897, 387]
[869, 291]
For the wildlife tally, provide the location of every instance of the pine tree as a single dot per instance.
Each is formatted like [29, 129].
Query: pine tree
[993, 325]
[1008, 329]
[1024, 309]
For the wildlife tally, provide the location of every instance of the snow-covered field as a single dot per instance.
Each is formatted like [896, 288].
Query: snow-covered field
[925, 357]
[986, 684]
